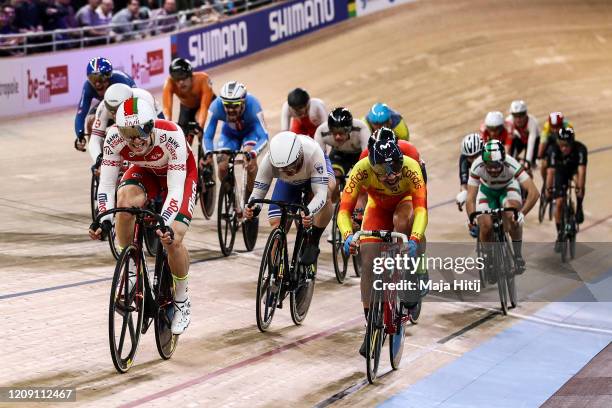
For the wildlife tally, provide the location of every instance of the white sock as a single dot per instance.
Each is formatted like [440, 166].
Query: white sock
[180, 288]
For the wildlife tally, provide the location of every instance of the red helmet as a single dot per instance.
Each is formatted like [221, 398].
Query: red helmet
[555, 119]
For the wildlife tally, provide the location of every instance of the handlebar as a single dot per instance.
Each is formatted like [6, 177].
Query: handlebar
[497, 211]
[281, 204]
[385, 235]
[134, 211]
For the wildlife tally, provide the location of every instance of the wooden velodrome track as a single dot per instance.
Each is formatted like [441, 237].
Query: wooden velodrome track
[443, 64]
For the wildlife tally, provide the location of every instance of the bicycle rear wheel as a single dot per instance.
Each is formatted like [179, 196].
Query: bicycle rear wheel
[375, 335]
[94, 196]
[226, 218]
[302, 295]
[250, 229]
[165, 341]
[338, 256]
[542, 207]
[498, 265]
[510, 272]
[126, 309]
[207, 190]
[272, 268]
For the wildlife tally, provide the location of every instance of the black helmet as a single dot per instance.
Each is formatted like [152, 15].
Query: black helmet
[181, 68]
[298, 98]
[566, 135]
[384, 135]
[340, 118]
[385, 150]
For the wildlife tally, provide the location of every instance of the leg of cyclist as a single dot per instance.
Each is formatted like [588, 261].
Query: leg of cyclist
[561, 182]
[132, 192]
[580, 181]
[513, 199]
[226, 142]
[485, 227]
[253, 143]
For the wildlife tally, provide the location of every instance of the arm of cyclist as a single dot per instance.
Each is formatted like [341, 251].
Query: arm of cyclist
[318, 137]
[263, 180]
[176, 175]
[318, 185]
[532, 194]
[285, 118]
[534, 133]
[205, 100]
[464, 172]
[472, 191]
[356, 182]
[98, 132]
[83, 109]
[401, 130]
[167, 98]
[209, 133]
[364, 133]
[419, 201]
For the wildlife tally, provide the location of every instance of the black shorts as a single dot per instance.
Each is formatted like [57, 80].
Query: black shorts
[187, 115]
[343, 161]
[563, 177]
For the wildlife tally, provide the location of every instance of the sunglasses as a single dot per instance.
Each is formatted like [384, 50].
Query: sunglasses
[494, 166]
[233, 104]
[134, 133]
[388, 169]
[98, 77]
[180, 76]
[341, 130]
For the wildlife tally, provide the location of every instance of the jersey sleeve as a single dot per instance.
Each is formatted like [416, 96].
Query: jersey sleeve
[520, 174]
[357, 180]
[464, 170]
[205, 100]
[364, 133]
[474, 178]
[285, 118]
[263, 180]
[176, 174]
[109, 171]
[211, 128]
[318, 137]
[401, 130]
[83, 109]
[419, 198]
[167, 98]
[318, 112]
[582, 155]
[98, 131]
[318, 182]
[534, 133]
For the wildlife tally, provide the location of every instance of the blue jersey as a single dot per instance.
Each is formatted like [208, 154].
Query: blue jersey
[248, 126]
[89, 93]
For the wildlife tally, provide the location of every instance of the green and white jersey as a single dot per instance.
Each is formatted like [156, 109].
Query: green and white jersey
[512, 170]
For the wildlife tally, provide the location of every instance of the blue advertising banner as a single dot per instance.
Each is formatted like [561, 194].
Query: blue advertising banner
[237, 37]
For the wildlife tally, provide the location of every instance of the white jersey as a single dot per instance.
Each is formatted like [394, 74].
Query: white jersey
[170, 157]
[527, 136]
[313, 169]
[317, 113]
[103, 116]
[356, 143]
[512, 171]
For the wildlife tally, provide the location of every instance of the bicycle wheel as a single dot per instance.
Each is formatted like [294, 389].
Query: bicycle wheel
[126, 309]
[338, 256]
[250, 229]
[94, 195]
[396, 340]
[226, 219]
[375, 336]
[415, 312]
[113, 243]
[273, 265]
[151, 240]
[207, 189]
[481, 271]
[498, 262]
[165, 341]
[357, 265]
[510, 269]
[550, 210]
[542, 208]
[302, 295]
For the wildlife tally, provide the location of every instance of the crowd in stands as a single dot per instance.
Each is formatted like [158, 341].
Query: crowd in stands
[128, 19]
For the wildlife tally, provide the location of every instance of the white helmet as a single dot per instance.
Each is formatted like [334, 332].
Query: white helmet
[518, 106]
[144, 95]
[135, 114]
[233, 91]
[494, 119]
[115, 94]
[471, 144]
[285, 149]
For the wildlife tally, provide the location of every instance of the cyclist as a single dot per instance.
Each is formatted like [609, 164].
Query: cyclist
[496, 179]
[301, 113]
[397, 200]
[105, 113]
[299, 165]
[346, 137]
[556, 121]
[567, 160]
[161, 161]
[100, 75]
[380, 115]
[243, 128]
[471, 148]
[524, 133]
[493, 128]
[194, 92]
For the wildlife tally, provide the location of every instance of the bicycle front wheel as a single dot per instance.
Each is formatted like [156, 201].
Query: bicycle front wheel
[113, 243]
[126, 308]
[94, 196]
[338, 256]
[206, 191]
[375, 335]
[500, 271]
[396, 340]
[271, 270]
[165, 341]
[226, 219]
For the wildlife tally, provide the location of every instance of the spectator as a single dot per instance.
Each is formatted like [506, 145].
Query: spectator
[58, 15]
[7, 26]
[127, 15]
[105, 11]
[27, 16]
[206, 13]
[165, 18]
[87, 17]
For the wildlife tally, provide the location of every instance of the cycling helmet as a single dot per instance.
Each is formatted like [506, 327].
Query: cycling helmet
[493, 152]
[518, 106]
[384, 135]
[384, 151]
[99, 66]
[298, 98]
[555, 119]
[180, 68]
[232, 92]
[115, 94]
[471, 144]
[135, 118]
[379, 114]
[494, 119]
[285, 149]
[566, 135]
[340, 118]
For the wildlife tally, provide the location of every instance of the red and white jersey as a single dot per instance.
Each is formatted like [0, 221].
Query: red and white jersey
[103, 116]
[317, 114]
[504, 137]
[527, 134]
[169, 157]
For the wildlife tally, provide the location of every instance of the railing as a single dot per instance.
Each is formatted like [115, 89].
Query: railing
[30, 43]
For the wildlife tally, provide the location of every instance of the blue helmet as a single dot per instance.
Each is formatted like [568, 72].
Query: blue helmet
[379, 114]
[99, 66]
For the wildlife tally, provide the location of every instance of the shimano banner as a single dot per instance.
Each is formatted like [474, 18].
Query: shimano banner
[235, 38]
